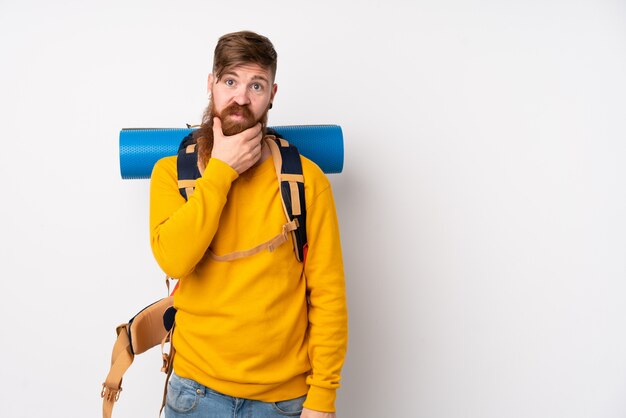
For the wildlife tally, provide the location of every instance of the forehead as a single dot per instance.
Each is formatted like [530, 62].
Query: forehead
[249, 71]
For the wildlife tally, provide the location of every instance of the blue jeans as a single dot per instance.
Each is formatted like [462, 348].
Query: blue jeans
[189, 399]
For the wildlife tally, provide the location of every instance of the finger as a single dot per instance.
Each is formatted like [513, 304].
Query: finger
[217, 126]
[253, 151]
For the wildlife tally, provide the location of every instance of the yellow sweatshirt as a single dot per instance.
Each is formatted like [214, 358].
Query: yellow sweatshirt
[244, 327]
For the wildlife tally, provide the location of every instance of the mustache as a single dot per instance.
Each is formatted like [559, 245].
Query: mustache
[236, 109]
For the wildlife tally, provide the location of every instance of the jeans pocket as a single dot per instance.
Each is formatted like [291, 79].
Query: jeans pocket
[291, 407]
[181, 396]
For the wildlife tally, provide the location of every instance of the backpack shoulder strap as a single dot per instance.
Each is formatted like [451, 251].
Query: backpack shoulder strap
[288, 167]
[187, 166]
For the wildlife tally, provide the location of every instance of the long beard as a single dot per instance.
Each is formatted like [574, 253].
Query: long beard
[204, 135]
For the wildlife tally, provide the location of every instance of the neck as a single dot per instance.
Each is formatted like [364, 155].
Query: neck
[265, 152]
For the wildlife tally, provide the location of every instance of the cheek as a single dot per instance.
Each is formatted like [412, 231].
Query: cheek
[218, 102]
[221, 97]
[260, 106]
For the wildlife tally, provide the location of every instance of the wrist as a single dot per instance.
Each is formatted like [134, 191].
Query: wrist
[320, 399]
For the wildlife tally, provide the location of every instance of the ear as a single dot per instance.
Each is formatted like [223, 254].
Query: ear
[274, 90]
[209, 88]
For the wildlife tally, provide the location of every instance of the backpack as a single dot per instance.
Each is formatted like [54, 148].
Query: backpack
[154, 324]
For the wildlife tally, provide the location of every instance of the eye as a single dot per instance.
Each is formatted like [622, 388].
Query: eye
[229, 82]
[257, 87]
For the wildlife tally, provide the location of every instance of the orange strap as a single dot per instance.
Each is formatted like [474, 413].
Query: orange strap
[270, 245]
[121, 359]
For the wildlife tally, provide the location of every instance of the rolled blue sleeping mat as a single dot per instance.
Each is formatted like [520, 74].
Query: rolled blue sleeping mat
[141, 148]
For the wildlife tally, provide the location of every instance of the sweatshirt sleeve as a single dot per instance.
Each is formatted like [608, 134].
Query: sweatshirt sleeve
[328, 318]
[181, 231]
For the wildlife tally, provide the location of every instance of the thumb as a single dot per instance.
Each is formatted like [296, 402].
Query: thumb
[217, 126]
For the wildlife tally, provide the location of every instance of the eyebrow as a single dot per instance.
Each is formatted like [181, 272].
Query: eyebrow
[254, 78]
[260, 77]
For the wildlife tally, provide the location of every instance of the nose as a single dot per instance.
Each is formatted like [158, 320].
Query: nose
[241, 96]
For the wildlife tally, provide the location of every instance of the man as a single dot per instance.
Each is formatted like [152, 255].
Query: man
[263, 335]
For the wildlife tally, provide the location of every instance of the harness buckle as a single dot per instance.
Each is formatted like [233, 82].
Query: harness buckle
[166, 363]
[110, 394]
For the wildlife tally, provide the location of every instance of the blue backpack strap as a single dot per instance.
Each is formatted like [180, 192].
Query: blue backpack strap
[187, 165]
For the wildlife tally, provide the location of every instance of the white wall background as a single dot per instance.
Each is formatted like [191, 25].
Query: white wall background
[482, 203]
